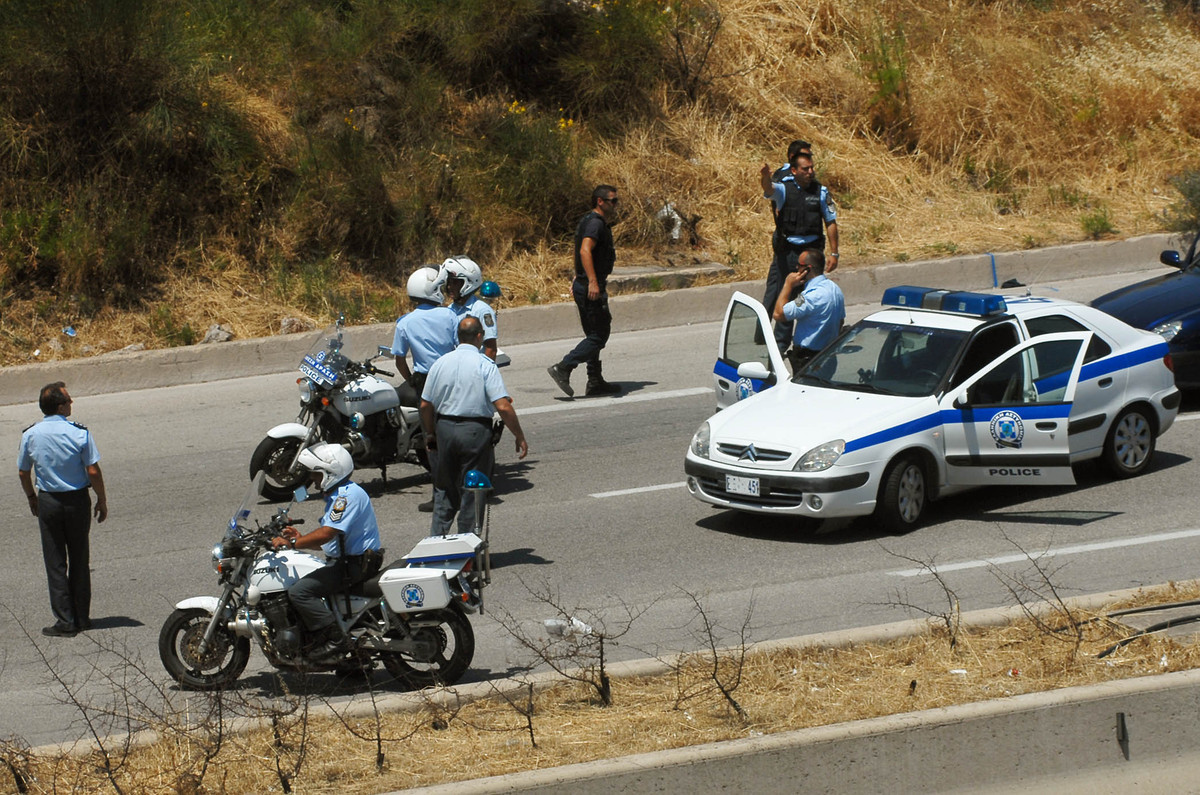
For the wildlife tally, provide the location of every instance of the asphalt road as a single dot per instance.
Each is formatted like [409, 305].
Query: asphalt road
[597, 514]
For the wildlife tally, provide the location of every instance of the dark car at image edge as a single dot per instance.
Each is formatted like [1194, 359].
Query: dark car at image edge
[1168, 305]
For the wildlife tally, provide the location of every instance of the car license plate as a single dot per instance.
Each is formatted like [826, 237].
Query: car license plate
[746, 486]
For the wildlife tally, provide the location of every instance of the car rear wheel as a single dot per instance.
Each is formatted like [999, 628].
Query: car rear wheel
[902, 495]
[1130, 443]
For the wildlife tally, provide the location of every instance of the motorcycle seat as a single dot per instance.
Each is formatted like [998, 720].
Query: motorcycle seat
[369, 587]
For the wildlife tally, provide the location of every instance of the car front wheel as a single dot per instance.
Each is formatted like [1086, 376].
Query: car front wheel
[1130, 443]
[902, 495]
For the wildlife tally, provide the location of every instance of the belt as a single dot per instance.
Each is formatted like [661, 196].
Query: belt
[481, 420]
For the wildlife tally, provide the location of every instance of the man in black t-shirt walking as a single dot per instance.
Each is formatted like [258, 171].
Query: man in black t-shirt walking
[594, 258]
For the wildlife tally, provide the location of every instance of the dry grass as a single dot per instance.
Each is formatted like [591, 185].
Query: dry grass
[780, 691]
[1013, 123]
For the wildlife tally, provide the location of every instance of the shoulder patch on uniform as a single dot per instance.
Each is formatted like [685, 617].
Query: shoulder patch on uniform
[77, 425]
[339, 508]
[489, 319]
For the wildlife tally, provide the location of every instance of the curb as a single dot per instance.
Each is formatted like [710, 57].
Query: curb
[194, 364]
[1115, 733]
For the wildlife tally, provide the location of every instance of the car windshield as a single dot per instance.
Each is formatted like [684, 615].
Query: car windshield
[887, 358]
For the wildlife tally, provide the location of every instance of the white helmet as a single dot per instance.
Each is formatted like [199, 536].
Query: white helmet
[425, 284]
[331, 460]
[464, 268]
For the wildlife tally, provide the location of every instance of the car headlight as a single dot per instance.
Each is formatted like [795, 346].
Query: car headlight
[1169, 329]
[821, 457]
[700, 440]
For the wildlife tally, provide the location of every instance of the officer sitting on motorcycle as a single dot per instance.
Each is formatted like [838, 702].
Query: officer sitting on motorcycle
[349, 535]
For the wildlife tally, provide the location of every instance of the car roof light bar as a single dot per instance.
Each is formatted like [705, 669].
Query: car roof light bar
[979, 304]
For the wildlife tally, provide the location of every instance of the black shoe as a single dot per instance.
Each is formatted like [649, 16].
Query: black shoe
[83, 626]
[426, 507]
[331, 650]
[60, 631]
[602, 387]
[561, 377]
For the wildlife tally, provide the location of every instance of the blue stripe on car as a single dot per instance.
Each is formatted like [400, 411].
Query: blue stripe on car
[949, 416]
[723, 369]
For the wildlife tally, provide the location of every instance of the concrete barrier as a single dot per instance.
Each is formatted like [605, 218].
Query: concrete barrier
[124, 371]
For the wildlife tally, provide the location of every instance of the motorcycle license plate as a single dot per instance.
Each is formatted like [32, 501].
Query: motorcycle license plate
[738, 485]
[316, 372]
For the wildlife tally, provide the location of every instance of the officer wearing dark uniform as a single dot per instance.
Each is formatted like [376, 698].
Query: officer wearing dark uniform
[595, 256]
[804, 213]
[463, 390]
[63, 457]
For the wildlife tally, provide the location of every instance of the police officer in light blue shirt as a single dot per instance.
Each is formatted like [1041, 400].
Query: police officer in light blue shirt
[819, 311]
[349, 518]
[63, 457]
[463, 277]
[428, 332]
[462, 392]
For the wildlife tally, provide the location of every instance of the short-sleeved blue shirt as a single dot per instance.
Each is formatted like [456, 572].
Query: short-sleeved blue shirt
[59, 452]
[818, 312]
[476, 307]
[429, 332]
[464, 383]
[349, 509]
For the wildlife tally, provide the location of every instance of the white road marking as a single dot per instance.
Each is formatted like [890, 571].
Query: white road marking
[1049, 553]
[642, 490]
[1187, 417]
[635, 397]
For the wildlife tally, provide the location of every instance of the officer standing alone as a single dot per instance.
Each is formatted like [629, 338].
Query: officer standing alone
[462, 392]
[63, 457]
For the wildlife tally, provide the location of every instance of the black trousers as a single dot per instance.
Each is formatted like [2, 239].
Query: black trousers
[597, 326]
[463, 445]
[65, 519]
[308, 594]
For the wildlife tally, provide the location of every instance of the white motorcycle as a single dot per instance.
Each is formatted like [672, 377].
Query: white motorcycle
[342, 402]
[345, 402]
[412, 616]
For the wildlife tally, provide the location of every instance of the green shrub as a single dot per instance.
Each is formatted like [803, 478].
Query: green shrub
[1184, 214]
[1097, 223]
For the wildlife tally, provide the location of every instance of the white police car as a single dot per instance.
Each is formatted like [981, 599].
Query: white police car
[938, 392]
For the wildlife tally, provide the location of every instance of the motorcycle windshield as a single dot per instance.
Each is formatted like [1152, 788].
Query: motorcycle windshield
[325, 363]
[252, 504]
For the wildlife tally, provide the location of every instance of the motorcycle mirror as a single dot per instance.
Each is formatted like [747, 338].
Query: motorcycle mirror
[300, 494]
[489, 289]
[385, 350]
[357, 421]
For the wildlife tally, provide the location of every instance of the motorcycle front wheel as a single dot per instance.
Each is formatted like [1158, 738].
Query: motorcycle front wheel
[179, 647]
[441, 655]
[274, 457]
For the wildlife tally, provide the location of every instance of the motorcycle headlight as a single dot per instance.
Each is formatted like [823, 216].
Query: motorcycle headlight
[700, 440]
[1169, 329]
[217, 557]
[821, 457]
[306, 389]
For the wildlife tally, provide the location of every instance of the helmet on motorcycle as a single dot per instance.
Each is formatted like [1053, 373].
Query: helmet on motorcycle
[464, 268]
[331, 461]
[425, 284]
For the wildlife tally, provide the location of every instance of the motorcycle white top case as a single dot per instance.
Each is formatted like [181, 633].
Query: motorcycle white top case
[366, 395]
[413, 590]
[447, 552]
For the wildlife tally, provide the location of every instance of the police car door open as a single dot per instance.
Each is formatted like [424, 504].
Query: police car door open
[748, 360]
[1007, 424]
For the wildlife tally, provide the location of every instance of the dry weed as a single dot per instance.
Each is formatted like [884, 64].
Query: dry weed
[780, 690]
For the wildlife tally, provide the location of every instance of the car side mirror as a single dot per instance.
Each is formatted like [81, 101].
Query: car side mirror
[1170, 258]
[756, 370]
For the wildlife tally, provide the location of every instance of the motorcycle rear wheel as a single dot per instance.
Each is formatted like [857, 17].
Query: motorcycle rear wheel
[178, 647]
[274, 456]
[448, 650]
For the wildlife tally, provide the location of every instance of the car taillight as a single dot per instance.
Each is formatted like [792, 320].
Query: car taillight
[1169, 362]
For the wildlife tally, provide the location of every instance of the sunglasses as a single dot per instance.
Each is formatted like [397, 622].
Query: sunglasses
[613, 200]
